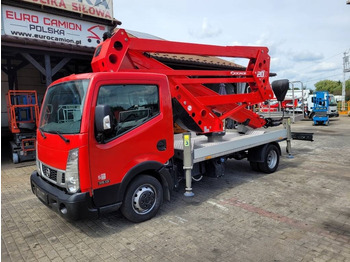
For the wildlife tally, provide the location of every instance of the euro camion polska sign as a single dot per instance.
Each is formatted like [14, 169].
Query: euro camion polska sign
[98, 8]
[30, 24]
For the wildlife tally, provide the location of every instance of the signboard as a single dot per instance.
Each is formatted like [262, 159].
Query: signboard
[25, 23]
[98, 8]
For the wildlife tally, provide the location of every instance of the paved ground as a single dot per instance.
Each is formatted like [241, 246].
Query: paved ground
[299, 213]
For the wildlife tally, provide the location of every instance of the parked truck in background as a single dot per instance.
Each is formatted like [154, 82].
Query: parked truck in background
[105, 139]
[332, 105]
[300, 97]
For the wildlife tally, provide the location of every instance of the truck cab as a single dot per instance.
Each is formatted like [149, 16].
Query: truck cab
[85, 160]
[333, 106]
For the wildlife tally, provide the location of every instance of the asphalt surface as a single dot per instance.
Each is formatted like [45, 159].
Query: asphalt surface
[299, 213]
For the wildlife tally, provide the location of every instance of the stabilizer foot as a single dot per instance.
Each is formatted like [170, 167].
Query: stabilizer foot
[188, 194]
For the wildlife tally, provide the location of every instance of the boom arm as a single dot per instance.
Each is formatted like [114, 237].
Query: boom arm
[199, 108]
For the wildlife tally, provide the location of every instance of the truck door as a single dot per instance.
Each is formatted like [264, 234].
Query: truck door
[142, 131]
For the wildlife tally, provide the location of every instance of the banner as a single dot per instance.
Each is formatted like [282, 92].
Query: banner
[25, 23]
[99, 8]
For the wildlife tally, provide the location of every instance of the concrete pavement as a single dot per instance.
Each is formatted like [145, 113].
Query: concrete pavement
[299, 213]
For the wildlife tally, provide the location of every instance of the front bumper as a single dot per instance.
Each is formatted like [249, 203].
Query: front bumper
[71, 207]
[334, 115]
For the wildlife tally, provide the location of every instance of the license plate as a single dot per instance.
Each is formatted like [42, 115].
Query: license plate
[41, 195]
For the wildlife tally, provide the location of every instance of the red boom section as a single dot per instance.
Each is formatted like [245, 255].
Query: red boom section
[206, 109]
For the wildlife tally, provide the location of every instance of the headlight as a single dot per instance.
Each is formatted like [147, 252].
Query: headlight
[72, 171]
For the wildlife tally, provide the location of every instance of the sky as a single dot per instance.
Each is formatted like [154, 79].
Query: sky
[306, 38]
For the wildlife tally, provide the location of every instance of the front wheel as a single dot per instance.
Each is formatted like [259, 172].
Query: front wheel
[271, 160]
[143, 199]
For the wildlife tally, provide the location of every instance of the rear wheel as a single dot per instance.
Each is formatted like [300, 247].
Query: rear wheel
[271, 159]
[143, 199]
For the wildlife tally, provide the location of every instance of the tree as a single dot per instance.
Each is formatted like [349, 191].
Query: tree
[334, 87]
[327, 85]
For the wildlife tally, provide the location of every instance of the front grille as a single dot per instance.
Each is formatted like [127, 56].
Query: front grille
[50, 173]
[53, 175]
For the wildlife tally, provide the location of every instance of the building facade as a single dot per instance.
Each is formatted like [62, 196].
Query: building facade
[43, 40]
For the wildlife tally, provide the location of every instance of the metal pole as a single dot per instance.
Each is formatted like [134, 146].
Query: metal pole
[302, 95]
[293, 117]
[302, 100]
[346, 67]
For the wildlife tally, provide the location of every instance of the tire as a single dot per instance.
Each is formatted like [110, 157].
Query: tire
[271, 159]
[197, 178]
[143, 199]
[255, 166]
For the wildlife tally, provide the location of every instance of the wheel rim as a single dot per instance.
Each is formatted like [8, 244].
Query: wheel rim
[144, 199]
[272, 159]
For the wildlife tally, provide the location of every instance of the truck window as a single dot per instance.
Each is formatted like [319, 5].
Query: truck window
[131, 105]
[332, 101]
[62, 108]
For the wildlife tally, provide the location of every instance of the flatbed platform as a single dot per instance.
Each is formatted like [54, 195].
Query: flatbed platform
[230, 143]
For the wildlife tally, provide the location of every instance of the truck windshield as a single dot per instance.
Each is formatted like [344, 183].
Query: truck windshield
[332, 101]
[62, 108]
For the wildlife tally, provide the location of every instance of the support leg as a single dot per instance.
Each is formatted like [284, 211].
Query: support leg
[289, 137]
[188, 163]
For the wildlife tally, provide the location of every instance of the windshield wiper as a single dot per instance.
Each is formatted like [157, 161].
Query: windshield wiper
[63, 138]
[42, 133]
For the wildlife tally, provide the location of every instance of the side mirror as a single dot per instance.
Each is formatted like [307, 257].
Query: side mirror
[280, 88]
[103, 119]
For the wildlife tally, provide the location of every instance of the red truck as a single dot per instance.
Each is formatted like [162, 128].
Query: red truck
[106, 139]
